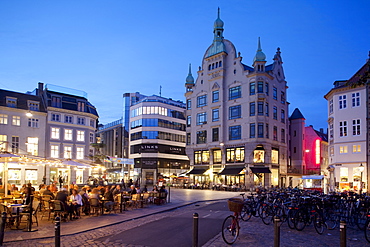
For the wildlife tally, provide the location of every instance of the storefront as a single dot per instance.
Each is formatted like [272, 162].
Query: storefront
[232, 175]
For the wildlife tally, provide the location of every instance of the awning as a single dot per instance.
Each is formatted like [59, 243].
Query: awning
[313, 177]
[232, 170]
[198, 171]
[260, 169]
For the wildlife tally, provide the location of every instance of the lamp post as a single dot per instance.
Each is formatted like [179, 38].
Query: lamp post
[361, 168]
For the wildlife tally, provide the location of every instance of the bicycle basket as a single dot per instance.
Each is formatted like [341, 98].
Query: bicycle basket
[235, 205]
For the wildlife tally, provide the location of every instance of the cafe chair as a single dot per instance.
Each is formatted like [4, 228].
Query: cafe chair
[11, 218]
[95, 206]
[35, 208]
[60, 210]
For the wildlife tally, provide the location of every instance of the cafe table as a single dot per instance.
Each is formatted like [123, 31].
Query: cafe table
[14, 210]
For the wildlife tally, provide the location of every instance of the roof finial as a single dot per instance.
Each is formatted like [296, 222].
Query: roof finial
[218, 14]
[260, 56]
[259, 44]
[190, 78]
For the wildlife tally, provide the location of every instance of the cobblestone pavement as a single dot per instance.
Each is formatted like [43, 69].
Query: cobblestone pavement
[253, 233]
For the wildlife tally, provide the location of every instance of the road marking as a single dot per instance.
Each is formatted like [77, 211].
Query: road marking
[205, 216]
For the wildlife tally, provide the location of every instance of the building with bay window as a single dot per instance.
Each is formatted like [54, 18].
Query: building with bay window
[237, 125]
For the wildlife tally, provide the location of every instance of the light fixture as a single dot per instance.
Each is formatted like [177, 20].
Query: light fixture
[361, 168]
[29, 114]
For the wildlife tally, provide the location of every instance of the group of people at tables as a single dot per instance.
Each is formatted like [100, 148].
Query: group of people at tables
[73, 197]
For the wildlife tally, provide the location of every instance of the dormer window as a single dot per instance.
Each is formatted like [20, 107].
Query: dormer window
[81, 106]
[11, 102]
[33, 106]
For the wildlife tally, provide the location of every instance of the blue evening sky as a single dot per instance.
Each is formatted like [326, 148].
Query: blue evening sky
[107, 48]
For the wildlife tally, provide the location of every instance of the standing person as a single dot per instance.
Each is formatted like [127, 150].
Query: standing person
[60, 181]
[28, 193]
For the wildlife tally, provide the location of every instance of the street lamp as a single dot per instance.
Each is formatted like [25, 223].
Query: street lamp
[361, 168]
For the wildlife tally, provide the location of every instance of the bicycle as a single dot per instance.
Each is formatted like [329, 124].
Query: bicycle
[230, 226]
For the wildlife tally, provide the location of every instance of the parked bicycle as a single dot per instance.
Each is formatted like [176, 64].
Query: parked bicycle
[230, 226]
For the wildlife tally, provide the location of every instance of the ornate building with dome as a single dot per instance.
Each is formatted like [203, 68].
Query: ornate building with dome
[237, 123]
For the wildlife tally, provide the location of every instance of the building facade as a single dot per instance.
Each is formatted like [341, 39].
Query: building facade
[348, 107]
[237, 125]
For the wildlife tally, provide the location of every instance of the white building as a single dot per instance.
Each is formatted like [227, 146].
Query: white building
[347, 114]
[237, 124]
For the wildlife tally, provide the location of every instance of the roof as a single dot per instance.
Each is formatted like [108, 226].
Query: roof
[323, 136]
[296, 114]
[246, 67]
[22, 99]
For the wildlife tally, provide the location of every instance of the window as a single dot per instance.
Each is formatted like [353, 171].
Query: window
[68, 119]
[16, 120]
[188, 121]
[343, 149]
[235, 132]
[55, 117]
[215, 115]
[201, 137]
[267, 88]
[267, 131]
[92, 138]
[188, 104]
[282, 97]
[202, 101]
[342, 102]
[80, 135]
[215, 96]
[356, 127]
[355, 99]
[32, 145]
[274, 156]
[11, 102]
[33, 106]
[67, 152]
[235, 112]
[267, 109]
[343, 128]
[260, 108]
[356, 148]
[201, 157]
[252, 88]
[3, 143]
[217, 156]
[81, 106]
[282, 116]
[3, 119]
[343, 174]
[80, 153]
[54, 151]
[274, 93]
[331, 106]
[92, 123]
[275, 133]
[260, 128]
[56, 102]
[215, 135]
[252, 130]
[80, 120]
[260, 87]
[33, 122]
[235, 92]
[15, 144]
[252, 109]
[201, 118]
[68, 134]
[188, 138]
[275, 113]
[55, 133]
[235, 155]
[331, 131]
[283, 136]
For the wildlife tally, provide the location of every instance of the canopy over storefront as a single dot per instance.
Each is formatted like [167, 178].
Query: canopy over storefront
[232, 170]
[313, 177]
[198, 171]
[74, 163]
[260, 169]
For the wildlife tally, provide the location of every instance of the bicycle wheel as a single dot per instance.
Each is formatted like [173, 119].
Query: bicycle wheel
[267, 215]
[291, 217]
[246, 213]
[319, 223]
[367, 230]
[300, 219]
[230, 229]
[361, 217]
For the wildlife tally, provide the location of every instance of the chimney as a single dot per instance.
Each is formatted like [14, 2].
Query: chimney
[40, 89]
[322, 130]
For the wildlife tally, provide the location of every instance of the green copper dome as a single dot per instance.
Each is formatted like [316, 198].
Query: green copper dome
[190, 78]
[260, 56]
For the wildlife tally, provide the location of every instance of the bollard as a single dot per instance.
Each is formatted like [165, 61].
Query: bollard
[169, 193]
[195, 230]
[57, 232]
[2, 227]
[343, 233]
[276, 231]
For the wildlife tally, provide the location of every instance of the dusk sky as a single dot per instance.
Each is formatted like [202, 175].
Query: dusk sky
[107, 48]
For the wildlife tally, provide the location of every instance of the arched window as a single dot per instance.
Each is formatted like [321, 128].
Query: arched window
[209, 67]
[213, 66]
[216, 65]
[220, 64]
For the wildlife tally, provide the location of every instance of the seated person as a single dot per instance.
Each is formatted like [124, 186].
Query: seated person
[48, 192]
[108, 196]
[76, 203]
[62, 196]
